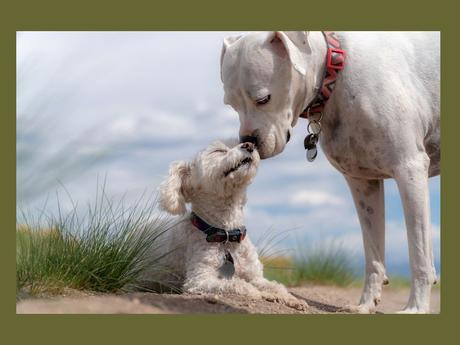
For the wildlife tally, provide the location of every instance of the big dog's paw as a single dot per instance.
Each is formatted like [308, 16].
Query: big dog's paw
[412, 311]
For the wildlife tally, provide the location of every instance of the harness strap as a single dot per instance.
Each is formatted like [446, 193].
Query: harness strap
[335, 61]
[214, 234]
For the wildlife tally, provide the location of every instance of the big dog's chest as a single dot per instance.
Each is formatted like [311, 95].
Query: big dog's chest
[382, 111]
[354, 148]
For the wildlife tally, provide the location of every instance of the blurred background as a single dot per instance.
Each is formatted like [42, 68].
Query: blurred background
[121, 106]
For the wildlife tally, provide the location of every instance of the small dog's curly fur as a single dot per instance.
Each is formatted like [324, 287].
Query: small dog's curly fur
[215, 184]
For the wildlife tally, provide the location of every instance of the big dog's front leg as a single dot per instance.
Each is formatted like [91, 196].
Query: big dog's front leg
[368, 196]
[412, 180]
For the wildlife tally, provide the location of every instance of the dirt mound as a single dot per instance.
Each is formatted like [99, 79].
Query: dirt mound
[321, 299]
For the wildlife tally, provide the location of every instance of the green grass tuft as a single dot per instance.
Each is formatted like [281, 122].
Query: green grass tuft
[328, 263]
[101, 250]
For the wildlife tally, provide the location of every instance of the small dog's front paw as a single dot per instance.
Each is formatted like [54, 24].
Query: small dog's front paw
[297, 304]
[289, 301]
[270, 298]
[359, 309]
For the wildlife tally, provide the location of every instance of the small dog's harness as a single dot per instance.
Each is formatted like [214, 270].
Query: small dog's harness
[335, 61]
[214, 234]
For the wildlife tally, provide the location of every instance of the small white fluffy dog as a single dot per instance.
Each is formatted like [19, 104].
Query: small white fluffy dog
[208, 247]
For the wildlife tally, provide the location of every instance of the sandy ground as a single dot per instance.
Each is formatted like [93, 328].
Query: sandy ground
[321, 299]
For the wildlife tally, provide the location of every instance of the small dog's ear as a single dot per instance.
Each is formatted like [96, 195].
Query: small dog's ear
[173, 190]
[295, 44]
[228, 41]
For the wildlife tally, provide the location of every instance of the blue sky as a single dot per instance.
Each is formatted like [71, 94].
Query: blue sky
[126, 104]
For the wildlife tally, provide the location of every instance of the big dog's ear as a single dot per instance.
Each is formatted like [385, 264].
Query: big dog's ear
[174, 189]
[296, 45]
[228, 41]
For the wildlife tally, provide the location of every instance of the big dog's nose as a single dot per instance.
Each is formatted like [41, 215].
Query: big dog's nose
[248, 139]
[248, 147]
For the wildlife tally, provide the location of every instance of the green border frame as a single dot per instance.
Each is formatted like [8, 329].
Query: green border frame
[227, 15]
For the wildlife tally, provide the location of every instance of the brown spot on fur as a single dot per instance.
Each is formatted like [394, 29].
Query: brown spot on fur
[373, 184]
[372, 187]
[352, 143]
[367, 135]
[370, 210]
[362, 204]
[335, 125]
[368, 222]
[357, 150]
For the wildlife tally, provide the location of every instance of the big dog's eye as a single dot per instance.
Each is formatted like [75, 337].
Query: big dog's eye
[263, 100]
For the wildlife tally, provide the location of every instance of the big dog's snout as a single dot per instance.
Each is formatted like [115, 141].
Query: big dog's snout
[249, 139]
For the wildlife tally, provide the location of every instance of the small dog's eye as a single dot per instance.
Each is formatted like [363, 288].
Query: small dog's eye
[263, 100]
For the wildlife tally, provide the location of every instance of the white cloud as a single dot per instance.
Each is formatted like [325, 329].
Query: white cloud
[125, 126]
[315, 198]
[153, 124]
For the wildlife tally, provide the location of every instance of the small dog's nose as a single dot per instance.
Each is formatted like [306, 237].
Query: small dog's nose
[248, 146]
[248, 139]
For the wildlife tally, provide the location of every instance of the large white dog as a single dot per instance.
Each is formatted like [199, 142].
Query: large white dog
[381, 121]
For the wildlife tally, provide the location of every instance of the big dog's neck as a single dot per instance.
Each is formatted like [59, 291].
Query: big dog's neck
[315, 67]
[226, 213]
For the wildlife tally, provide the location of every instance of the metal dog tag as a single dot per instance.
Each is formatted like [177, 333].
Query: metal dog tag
[311, 154]
[227, 270]
[310, 145]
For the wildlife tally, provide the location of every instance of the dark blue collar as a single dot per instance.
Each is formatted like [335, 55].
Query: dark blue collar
[214, 234]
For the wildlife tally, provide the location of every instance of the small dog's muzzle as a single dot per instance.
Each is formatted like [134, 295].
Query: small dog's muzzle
[248, 146]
